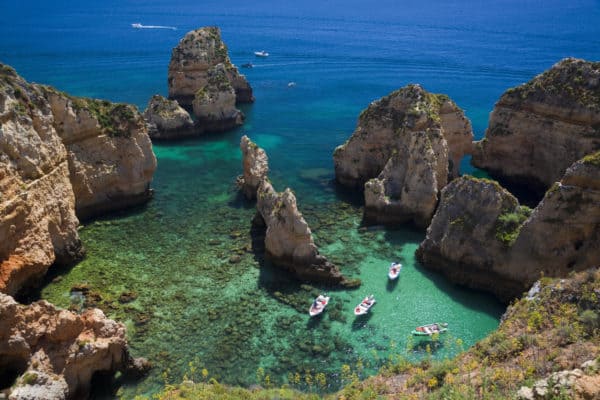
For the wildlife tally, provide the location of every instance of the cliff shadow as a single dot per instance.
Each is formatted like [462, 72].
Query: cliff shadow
[477, 300]
[352, 196]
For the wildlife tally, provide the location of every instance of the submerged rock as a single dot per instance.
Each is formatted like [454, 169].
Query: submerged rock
[168, 120]
[406, 147]
[61, 157]
[481, 237]
[56, 351]
[191, 61]
[288, 239]
[538, 129]
[255, 165]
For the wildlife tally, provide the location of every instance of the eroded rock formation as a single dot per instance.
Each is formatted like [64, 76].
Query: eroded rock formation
[537, 130]
[255, 165]
[168, 120]
[214, 104]
[406, 147]
[481, 237]
[196, 54]
[288, 239]
[56, 351]
[61, 156]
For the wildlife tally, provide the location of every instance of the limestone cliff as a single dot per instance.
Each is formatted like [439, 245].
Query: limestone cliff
[214, 104]
[191, 60]
[409, 144]
[59, 156]
[537, 130]
[255, 165]
[56, 351]
[481, 237]
[288, 239]
[38, 225]
[168, 120]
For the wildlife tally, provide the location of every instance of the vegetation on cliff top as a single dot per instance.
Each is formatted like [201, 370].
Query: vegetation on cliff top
[556, 327]
[570, 81]
[593, 159]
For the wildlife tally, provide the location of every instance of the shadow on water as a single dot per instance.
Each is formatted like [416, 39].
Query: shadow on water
[462, 295]
[360, 322]
[427, 345]
[391, 284]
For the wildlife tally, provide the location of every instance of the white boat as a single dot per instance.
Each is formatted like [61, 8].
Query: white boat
[394, 271]
[261, 53]
[364, 305]
[137, 25]
[318, 306]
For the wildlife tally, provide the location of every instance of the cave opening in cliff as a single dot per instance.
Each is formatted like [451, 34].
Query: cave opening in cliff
[10, 369]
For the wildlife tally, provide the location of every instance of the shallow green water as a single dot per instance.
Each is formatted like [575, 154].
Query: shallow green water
[202, 293]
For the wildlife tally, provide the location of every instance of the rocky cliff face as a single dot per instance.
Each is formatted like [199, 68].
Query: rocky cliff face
[196, 54]
[56, 351]
[214, 104]
[59, 156]
[111, 162]
[537, 130]
[255, 164]
[405, 148]
[480, 236]
[168, 120]
[288, 239]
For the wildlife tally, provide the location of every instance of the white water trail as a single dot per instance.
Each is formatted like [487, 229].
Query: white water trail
[140, 26]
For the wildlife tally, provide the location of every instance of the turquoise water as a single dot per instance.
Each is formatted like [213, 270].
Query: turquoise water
[179, 271]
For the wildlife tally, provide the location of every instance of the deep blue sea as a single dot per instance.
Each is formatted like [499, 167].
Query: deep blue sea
[193, 304]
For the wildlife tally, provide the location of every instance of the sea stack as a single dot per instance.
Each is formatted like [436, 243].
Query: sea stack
[56, 352]
[406, 147]
[538, 129]
[61, 158]
[168, 120]
[193, 58]
[288, 239]
[481, 237]
[278, 223]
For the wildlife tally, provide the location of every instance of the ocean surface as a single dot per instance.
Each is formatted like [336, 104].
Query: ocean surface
[178, 271]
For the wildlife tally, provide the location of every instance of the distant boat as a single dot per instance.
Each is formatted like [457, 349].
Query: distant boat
[247, 65]
[428, 330]
[394, 271]
[137, 25]
[291, 84]
[261, 53]
[364, 305]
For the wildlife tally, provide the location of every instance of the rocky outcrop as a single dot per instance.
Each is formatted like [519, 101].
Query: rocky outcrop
[168, 120]
[55, 351]
[214, 104]
[191, 61]
[563, 232]
[470, 233]
[480, 236]
[537, 130]
[60, 157]
[406, 147]
[288, 239]
[255, 165]
[111, 162]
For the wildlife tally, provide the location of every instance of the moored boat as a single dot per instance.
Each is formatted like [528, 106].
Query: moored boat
[394, 271]
[318, 306]
[428, 330]
[364, 305]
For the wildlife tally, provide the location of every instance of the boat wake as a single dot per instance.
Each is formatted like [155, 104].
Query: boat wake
[140, 26]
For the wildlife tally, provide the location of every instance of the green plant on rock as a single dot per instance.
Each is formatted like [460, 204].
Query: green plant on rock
[509, 224]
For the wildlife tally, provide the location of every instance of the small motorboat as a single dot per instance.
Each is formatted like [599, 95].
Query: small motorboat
[137, 25]
[261, 53]
[364, 305]
[247, 65]
[291, 84]
[318, 305]
[394, 271]
[428, 330]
